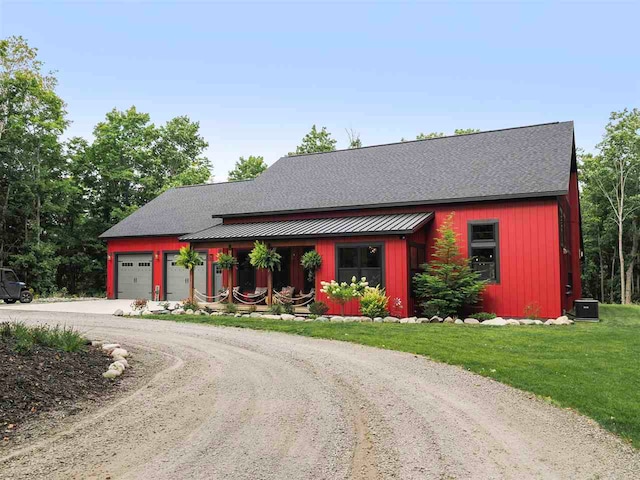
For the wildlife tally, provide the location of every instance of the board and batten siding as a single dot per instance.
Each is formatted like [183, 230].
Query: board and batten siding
[529, 254]
[157, 246]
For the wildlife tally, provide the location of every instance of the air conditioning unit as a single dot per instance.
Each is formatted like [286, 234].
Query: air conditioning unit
[587, 310]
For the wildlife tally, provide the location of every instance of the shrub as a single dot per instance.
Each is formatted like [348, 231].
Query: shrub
[188, 304]
[318, 308]
[449, 285]
[139, 304]
[289, 308]
[374, 302]
[252, 308]
[311, 262]
[482, 316]
[276, 309]
[230, 308]
[344, 292]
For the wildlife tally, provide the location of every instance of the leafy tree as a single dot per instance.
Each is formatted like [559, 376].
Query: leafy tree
[247, 168]
[457, 131]
[354, 139]
[448, 285]
[264, 257]
[315, 142]
[465, 131]
[616, 174]
[425, 136]
[189, 259]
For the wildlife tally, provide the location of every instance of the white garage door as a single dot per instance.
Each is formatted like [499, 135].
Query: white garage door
[135, 276]
[177, 282]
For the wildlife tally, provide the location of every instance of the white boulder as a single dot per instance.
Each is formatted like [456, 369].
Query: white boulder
[527, 321]
[272, 317]
[118, 313]
[121, 360]
[322, 319]
[377, 319]
[117, 366]
[287, 316]
[434, 319]
[471, 321]
[109, 347]
[512, 321]
[458, 321]
[337, 318]
[495, 322]
[112, 373]
[391, 320]
[449, 320]
[119, 352]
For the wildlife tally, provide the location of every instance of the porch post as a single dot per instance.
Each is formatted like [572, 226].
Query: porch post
[230, 279]
[269, 286]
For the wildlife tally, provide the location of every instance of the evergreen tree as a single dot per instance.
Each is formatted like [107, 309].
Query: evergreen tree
[448, 285]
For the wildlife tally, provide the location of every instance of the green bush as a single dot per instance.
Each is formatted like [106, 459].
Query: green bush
[289, 308]
[65, 339]
[276, 309]
[318, 308]
[482, 316]
[449, 286]
[230, 308]
[374, 303]
[190, 304]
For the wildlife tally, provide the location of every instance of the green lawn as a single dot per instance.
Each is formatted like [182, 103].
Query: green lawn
[593, 368]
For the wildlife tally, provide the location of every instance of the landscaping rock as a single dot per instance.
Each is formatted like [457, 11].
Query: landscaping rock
[336, 318]
[198, 312]
[538, 322]
[119, 352]
[495, 322]
[564, 320]
[526, 321]
[117, 366]
[408, 320]
[551, 321]
[458, 321]
[512, 321]
[298, 319]
[391, 320]
[109, 347]
[471, 321]
[434, 319]
[366, 319]
[449, 320]
[118, 313]
[322, 319]
[189, 312]
[112, 373]
[238, 315]
[377, 319]
[255, 315]
[272, 317]
[287, 316]
[178, 311]
[246, 315]
[96, 343]
[161, 312]
[352, 319]
[122, 361]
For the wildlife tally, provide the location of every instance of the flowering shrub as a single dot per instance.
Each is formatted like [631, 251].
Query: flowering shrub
[344, 292]
[139, 304]
[373, 302]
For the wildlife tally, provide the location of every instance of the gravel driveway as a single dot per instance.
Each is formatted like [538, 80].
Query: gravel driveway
[228, 403]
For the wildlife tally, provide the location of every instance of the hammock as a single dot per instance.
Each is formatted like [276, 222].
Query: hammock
[201, 297]
[250, 298]
[299, 301]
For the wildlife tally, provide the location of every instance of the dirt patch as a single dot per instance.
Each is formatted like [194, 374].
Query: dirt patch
[47, 380]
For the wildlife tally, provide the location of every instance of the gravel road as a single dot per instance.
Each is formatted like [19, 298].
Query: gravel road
[228, 403]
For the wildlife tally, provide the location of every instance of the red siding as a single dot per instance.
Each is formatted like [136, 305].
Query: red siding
[158, 246]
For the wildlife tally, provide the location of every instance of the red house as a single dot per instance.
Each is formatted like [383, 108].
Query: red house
[374, 212]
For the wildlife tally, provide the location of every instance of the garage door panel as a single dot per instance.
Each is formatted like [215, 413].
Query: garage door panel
[177, 278]
[135, 276]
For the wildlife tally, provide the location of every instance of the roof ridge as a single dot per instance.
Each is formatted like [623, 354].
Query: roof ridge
[213, 183]
[427, 139]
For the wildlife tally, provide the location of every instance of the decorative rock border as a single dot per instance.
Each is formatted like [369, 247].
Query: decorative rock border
[119, 356]
[494, 322]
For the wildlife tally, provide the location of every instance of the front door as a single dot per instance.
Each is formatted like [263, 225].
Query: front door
[246, 272]
[217, 285]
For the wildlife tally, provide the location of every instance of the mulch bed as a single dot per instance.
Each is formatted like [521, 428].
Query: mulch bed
[45, 379]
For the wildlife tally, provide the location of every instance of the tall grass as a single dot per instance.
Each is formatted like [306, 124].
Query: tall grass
[24, 337]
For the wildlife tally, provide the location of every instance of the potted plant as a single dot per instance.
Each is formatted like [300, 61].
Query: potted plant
[311, 262]
[264, 257]
[189, 259]
[226, 261]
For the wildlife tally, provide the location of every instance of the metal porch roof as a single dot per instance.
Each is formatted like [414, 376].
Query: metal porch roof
[399, 223]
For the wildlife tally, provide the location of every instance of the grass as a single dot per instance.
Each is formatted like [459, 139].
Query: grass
[592, 368]
[24, 337]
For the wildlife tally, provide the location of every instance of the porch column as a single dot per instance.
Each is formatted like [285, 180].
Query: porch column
[230, 279]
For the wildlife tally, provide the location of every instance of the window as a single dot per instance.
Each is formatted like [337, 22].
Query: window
[360, 261]
[484, 249]
[417, 258]
[9, 276]
[563, 228]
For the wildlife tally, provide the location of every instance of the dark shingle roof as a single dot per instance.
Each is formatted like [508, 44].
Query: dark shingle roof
[522, 162]
[179, 210]
[399, 223]
[518, 162]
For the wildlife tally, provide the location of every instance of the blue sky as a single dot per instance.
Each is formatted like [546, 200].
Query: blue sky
[257, 76]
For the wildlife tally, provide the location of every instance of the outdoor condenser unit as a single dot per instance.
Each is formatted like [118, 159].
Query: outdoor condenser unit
[587, 310]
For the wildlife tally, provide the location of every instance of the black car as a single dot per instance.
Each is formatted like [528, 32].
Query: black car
[11, 289]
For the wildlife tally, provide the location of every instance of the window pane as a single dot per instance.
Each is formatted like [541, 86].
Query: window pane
[346, 274]
[413, 258]
[347, 257]
[484, 262]
[482, 232]
[10, 277]
[373, 276]
[371, 256]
